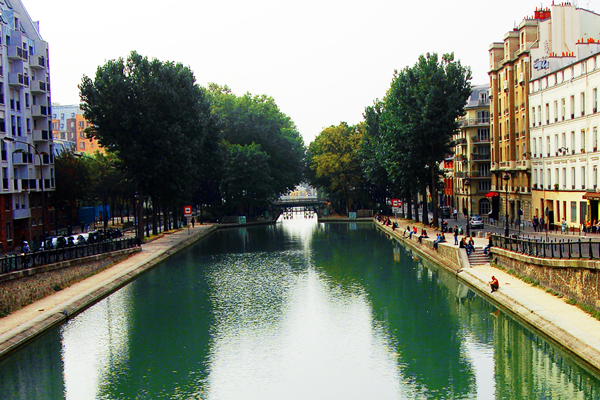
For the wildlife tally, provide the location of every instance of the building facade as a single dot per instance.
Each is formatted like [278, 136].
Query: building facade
[68, 126]
[564, 138]
[537, 47]
[27, 159]
[472, 178]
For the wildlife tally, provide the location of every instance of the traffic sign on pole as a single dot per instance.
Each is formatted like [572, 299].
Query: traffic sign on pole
[187, 211]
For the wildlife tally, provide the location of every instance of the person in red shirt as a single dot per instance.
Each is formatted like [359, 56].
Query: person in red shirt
[494, 284]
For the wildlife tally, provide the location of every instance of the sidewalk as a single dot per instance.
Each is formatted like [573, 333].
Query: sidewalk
[565, 324]
[28, 322]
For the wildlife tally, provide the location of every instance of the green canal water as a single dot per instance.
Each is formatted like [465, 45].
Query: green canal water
[299, 310]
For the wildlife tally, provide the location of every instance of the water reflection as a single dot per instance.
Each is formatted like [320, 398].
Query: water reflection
[295, 311]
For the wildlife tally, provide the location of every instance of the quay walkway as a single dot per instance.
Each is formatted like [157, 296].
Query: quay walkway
[27, 323]
[565, 324]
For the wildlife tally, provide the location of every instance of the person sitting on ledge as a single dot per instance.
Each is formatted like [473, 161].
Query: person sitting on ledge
[423, 235]
[494, 284]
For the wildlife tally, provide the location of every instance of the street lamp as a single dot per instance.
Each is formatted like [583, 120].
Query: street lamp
[8, 139]
[506, 178]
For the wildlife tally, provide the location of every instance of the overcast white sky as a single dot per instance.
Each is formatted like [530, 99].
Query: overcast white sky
[323, 61]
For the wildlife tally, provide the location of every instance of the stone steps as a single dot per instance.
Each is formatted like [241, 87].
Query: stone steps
[477, 258]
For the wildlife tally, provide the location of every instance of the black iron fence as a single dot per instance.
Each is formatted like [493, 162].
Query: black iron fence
[557, 248]
[23, 261]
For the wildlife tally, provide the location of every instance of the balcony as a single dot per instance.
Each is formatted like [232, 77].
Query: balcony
[16, 53]
[39, 111]
[38, 62]
[459, 174]
[16, 79]
[523, 164]
[38, 87]
[20, 158]
[22, 213]
[481, 157]
[40, 135]
[507, 165]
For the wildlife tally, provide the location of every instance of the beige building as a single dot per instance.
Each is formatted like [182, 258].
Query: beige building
[472, 180]
[537, 47]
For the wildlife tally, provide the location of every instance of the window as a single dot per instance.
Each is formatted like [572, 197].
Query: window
[595, 137]
[547, 113]
[583, 182]
[572, 99]
[582, 104]
[556, 146]
[582, 140]
[595, 176]
[564, 178]
[82, 145]
[573, 211]
[564, 140]
[539, 115]
[556, 111]
[573, 182]
[572, 141]
[563, 109]
[533, 116]
[534, 145]
[595, 100]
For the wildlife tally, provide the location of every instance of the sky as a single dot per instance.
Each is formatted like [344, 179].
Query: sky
[322, 61]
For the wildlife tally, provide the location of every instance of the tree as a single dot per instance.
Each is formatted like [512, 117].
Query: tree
[246, 183]
[156, 119]
[249, 120]
[334, 158]
[72, 183]
[417, 119]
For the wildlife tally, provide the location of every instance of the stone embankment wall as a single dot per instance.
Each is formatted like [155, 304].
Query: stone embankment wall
[574, 279]
[17, 289]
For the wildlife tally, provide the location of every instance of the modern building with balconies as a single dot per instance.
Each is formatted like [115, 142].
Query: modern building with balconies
[527, 52]
[472, 156]
[26, 147]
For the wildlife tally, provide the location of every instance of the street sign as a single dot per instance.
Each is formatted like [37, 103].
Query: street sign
[395, 202]
[187, 211]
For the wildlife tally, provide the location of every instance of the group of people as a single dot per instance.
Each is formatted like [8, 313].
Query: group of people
[438, 239]
[468, 244]
[538, 224]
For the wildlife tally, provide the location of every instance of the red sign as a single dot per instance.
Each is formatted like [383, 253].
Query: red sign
[187, 211]
[395, 203]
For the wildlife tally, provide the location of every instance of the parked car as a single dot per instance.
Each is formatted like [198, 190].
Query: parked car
[476, 222]
[79, 239]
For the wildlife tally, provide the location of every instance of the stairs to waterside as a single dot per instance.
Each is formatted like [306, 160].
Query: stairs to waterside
[477, 258]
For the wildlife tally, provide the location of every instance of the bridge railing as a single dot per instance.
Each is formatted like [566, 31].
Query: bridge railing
[562, 249]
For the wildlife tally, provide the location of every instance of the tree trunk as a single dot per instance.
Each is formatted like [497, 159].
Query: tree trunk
[434, 197]
[165, 218]
[425, 206]
[138, 211]
[415, 199]
[154, 216]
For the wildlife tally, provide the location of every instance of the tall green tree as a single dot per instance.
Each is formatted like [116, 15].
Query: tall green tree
[335, 161]
[417, 119]
[158, 121]
[246, 184]
[256, 119]
[72, 184]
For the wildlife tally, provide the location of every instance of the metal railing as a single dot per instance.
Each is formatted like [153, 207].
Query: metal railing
[19, 262]
[557, 248]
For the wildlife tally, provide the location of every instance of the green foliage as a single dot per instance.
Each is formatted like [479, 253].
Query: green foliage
[72, 179]
[249, 120]
[246, 182]
[158, 121]
[410, 131]
[334, 158]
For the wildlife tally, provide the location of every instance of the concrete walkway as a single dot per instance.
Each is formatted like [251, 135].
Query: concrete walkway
[566, 324]
[28, 322]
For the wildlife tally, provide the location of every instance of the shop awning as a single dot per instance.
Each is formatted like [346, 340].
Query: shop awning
[492, 194]
[592, 196]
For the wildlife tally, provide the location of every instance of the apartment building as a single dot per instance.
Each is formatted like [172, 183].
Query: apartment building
[472, 156]
[68, 125]
[27, 160]
[536, 47]
[564, 136]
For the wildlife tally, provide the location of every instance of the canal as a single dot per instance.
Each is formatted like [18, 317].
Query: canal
[299, 310]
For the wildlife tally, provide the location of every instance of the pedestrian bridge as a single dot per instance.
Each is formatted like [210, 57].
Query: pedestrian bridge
[301, 201]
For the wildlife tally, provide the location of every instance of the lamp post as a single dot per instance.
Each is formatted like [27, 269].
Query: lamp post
[9, 139]
[506, 178]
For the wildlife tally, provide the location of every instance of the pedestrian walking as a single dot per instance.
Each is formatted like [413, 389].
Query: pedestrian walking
[192, 222]
[456, 235]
